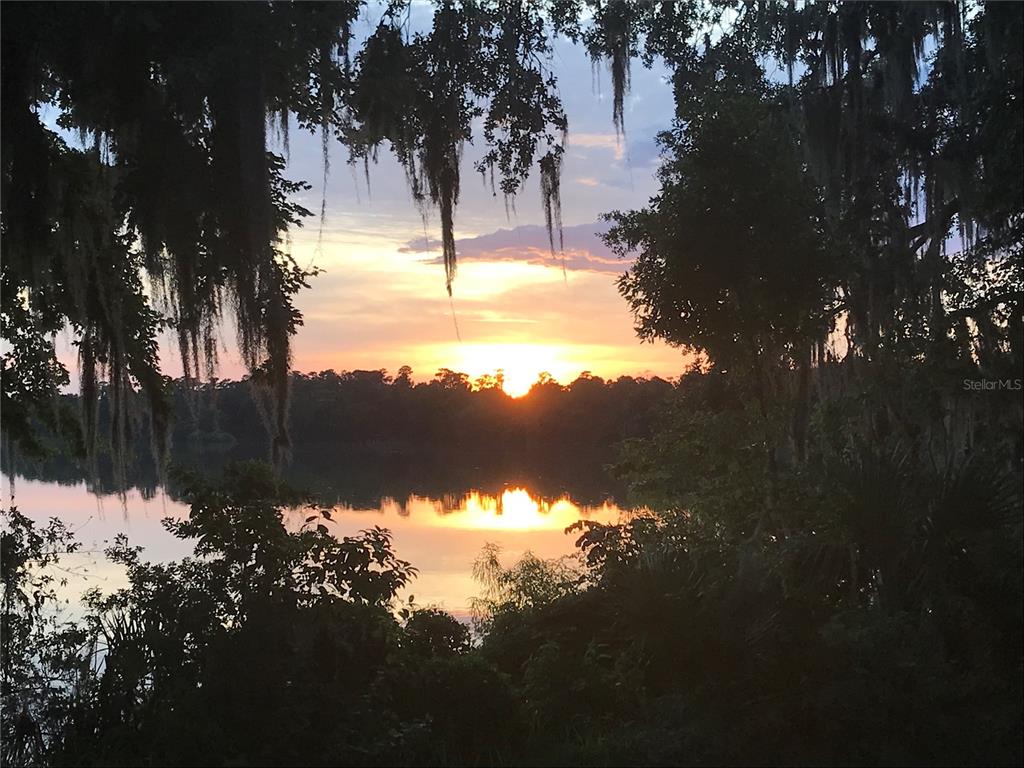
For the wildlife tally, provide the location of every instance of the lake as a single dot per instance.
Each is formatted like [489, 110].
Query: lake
[439, 528]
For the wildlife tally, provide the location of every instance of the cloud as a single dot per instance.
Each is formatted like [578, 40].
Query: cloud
[583, 248]
[607, 141]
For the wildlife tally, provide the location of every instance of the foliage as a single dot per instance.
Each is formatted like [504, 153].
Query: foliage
[43, 658]
[736, 292]
[858, 626]
[870, 166]
[169, 189]
[528, 585]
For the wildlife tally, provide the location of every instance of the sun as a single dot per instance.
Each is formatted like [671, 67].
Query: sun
[519, 364]
[517, 381]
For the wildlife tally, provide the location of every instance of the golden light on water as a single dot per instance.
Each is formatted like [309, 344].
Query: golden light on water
[514, 510]
[443, 536]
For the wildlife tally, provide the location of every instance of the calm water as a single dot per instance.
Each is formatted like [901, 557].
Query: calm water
[440, 535]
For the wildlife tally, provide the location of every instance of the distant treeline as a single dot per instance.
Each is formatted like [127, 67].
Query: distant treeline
[371, 409]
[361, 435]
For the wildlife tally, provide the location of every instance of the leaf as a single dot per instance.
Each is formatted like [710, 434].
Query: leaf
[322, 529]
[311, 518]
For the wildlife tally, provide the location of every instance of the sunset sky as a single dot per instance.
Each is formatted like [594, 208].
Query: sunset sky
[381, 302]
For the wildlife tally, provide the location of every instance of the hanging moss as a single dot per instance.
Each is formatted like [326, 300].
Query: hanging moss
[171, 189]
[421, 94]
[551, 199]
[887, 135]
[613, 37]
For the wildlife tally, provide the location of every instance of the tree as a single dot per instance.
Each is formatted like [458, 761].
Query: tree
[852, 224]
[404, 377]
[170, 180]
[42, 657]
[170, 185]
[732, 256]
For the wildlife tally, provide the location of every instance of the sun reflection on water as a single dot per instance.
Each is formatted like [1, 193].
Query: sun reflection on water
[514, 509]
